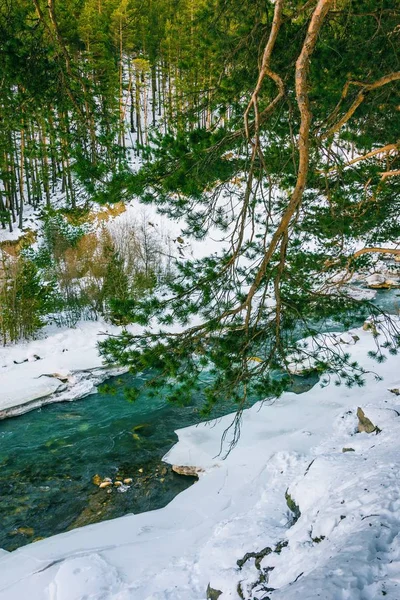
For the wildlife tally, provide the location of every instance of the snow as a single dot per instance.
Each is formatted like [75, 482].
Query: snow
[64, 364]
[20, 393]
[344, 546]
[71, 353]
[375, 278]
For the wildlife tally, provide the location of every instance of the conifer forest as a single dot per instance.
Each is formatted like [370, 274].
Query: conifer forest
[199, 196]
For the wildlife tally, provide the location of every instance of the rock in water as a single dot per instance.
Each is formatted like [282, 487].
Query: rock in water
[96, 479]
[364, 424]
[27, 531]
[123, 488]
[213, 594]
[189, 471]
[105, 484]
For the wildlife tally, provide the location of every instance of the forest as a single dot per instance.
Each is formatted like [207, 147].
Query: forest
[199, 271]
[275, 124]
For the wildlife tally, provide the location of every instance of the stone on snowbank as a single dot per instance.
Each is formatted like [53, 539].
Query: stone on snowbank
[213, 594]
[185, 470]
[364, 424]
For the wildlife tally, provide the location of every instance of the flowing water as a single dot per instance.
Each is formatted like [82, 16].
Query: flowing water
[49, 457]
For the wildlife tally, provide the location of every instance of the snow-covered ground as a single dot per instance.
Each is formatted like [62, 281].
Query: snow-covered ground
[64, 364]
[28, 370]
[344, 546]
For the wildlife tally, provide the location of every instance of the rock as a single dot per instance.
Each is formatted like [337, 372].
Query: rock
[140, 470]
[34, 358]
[28, 531]
[395, 391]
[364, 424]
[105, 484]
[96, 479]
[185, 470]
[118, 483]
[347, 338]
[128, 480]
[63, 378]
[348, 450]
[369, 326]
[213, 594]
[107, 479]
[96, 509]
[123, 488]
[140, 427]
[293, 507]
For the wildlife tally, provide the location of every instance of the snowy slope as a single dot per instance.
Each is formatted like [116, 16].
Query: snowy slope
[345, 545]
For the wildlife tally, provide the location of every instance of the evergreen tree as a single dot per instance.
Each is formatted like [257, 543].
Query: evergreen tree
[297, 161]
[276, 122]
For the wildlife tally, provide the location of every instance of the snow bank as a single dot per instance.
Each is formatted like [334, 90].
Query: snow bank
[63, 365]
[345, 545]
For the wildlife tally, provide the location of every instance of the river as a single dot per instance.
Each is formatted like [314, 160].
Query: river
[49, 457]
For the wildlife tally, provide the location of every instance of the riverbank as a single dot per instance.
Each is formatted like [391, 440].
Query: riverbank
[64, 364]
[348, 502]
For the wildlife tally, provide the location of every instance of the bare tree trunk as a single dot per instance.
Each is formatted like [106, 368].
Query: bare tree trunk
[153, 93]
[21, 176]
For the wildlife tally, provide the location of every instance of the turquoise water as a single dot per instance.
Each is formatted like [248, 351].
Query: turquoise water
[48, 458]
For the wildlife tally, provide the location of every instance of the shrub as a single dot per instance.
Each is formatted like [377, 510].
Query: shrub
[24, 298]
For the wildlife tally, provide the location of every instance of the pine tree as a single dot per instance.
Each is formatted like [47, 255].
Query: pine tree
[294, 93]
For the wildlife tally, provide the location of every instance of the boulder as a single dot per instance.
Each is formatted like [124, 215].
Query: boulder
[186, 470]
[364, 424]
[213, 594]
[96, 479]
[395, 391]
[27, 531]
[370, 326]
